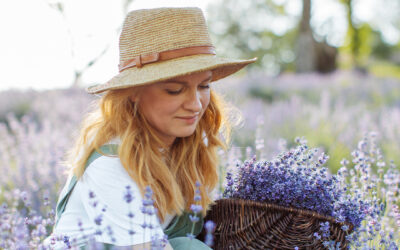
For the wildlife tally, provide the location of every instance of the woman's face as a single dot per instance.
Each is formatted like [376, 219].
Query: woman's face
[174, 107]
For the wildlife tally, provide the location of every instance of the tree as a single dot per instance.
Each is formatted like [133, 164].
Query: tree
[254, 28]
[310, 54]
[263, 28]
[365, 40]
[305, 53]
[353, 35]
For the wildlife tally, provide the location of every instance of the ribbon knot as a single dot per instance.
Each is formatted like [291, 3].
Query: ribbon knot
[138, 61]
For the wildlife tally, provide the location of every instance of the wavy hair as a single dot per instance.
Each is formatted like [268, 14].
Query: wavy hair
[172, 173]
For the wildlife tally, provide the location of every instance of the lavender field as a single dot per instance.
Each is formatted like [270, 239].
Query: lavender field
[354, 118]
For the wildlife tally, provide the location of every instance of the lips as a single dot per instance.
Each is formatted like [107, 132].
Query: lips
[188, 117]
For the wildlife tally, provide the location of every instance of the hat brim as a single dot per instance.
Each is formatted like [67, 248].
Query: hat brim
[159, 71]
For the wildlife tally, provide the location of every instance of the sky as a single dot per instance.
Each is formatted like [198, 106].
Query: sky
[39, 47]
[35, 45]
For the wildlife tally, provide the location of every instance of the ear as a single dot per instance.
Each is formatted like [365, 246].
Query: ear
[134, 98]
[135, 94]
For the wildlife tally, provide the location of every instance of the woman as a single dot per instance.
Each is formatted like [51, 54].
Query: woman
[157, 126]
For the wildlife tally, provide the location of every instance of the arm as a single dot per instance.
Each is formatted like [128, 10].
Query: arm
[108, 181]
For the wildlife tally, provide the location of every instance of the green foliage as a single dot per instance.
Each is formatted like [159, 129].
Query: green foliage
[358, 43]
[266, 94]
[385, 69]
[364, 42]
[245, 29]
[270, 95]
[323, 136]
[391, 151]
[380, 49]
[239, 138]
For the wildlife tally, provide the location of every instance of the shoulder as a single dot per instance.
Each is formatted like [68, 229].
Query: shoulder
[107, 170]
[106, 163]
[105, 174]
[106, 191]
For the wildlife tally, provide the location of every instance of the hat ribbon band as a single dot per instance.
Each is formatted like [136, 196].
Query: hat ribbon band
[140, 60]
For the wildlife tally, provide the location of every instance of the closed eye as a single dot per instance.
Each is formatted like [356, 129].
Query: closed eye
[204, 86]
[174, 92]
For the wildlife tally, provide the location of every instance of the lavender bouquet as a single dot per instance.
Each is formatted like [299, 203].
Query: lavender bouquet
[297, 182]
[297, 179]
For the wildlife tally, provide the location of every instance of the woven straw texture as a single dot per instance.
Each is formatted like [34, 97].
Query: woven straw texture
[244, 224]
[156, 30]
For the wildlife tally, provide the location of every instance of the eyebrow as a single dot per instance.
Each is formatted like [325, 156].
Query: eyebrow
[182, 82]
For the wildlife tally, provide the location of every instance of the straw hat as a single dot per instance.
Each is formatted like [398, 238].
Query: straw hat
[163, 43]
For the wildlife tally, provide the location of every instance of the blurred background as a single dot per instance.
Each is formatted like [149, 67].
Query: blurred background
[327, 70]
[60, 44]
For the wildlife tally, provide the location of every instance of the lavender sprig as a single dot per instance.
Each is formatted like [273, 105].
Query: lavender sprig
[128, 198]
[196, 209]
[210, 227]
[148, 210]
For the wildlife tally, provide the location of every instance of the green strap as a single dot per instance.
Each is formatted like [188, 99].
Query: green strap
[181, 225]
[185, 243]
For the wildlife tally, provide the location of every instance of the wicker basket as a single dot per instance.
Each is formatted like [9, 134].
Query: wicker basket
[244, 224]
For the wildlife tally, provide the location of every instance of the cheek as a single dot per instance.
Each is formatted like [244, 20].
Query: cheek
[164, 108]
[205, 100]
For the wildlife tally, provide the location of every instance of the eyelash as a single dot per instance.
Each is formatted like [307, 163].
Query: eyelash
[179, 91]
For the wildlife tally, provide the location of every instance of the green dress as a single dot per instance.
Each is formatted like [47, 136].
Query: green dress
[176, 231]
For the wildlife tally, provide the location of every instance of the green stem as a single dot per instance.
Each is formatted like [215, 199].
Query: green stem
[191, 232]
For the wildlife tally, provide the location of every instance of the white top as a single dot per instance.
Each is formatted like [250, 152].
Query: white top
[107, 179]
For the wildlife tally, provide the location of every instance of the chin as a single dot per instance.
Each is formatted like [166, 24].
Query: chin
[186, 133]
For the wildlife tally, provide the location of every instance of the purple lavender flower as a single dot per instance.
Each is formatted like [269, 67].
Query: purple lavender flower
[209, 239]
[128, 197]
[110, 233]
[317, 236]
[325, 229]
[197, 196]
[194, 218]
[190, 236]
[91, 195]
[294, 179]
[196, 208]
[158, 243]
[345, 228]
[98, 219]
[66, 242]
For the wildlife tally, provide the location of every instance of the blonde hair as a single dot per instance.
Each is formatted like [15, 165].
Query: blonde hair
[171, 174]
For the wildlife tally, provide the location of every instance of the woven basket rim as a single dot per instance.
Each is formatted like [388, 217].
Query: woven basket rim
[273, 206]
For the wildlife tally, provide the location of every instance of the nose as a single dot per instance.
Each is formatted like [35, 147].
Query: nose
[193, 101]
